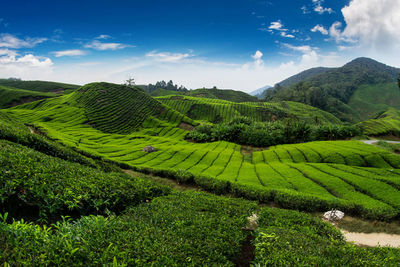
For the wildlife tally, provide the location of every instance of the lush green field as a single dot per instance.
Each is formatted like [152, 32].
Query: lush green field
[350, 175]
[371, 99]
[39, 86]
[215, 110]
[388, 123]
[288, 238]
[116, 219]
[12, 96]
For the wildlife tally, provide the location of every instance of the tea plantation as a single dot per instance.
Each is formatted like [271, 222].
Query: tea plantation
[65, 200]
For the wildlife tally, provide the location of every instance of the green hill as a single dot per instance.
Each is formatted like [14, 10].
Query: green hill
[110, 108]
[303, 76]
[215, 110]
[17, 92]
[387, 123]
[10, 97]
[39, 86]
[223, 94]
[340, 90]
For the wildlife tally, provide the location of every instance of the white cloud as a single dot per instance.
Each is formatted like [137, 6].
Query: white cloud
[10, 41]
[305, 10]
[284, 34]
[258, 58]
[321, 29]
[167, 56]
[320, 9]
[97, 45]
[27, 67]
[303, 48]
[103, 36]
[69, 53]
[374, 23]
[277, 25]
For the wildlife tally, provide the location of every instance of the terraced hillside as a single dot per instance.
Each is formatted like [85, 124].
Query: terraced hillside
[388, 123]
[371, 99]
[12, 96]
[222, 94]
[39, 86]
[214, 224]
[16, 92]
[215, 110]
[349, 175]
[110, 108]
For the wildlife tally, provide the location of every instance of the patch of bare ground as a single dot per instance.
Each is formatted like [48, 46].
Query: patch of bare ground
[186, 126]
[373, 239]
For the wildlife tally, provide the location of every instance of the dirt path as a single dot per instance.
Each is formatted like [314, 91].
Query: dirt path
[373, 239]
[370, 142]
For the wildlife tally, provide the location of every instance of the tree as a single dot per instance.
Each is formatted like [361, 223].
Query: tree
[130, 82]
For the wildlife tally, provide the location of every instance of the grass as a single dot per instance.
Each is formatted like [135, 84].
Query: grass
[371, 99]
[314, 176]
[12, 96]
[288, 238]
[181, 229]
[216, 110]
[387, 123]
[356, 225]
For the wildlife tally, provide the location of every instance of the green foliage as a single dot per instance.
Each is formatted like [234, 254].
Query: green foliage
[12, 96]
[288, 238]
[215, 110]
[115, 108]
[331, 90]
[38, 186]
[39, 86]
[222, 94]
[182, 229]
[387, 123]
[246, 132]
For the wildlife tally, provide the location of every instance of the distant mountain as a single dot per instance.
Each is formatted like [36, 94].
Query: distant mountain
[334, 89]
[259, 91]
[303, 76]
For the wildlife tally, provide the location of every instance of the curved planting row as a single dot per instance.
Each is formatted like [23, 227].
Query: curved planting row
[215, 110]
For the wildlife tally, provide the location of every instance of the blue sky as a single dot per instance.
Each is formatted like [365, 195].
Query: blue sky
[242, 44]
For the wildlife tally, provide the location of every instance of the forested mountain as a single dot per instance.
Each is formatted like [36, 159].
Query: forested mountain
[333, 89]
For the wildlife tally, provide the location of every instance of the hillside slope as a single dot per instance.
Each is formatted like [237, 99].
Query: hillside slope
[214, 110]
[39, 86]
[223, 94]
[387, 123]
[10, 97]
[110, 108]
[333, 89]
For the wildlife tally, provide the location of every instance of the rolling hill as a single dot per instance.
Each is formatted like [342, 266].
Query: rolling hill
[347, 92]
[17, 92]
[215, 110]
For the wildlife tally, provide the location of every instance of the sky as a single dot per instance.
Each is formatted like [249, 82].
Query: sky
[235, 44]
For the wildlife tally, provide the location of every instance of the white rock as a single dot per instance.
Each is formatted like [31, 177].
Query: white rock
[334, 215]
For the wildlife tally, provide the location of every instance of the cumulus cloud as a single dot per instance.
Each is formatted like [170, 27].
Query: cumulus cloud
[287, 35]
[27, 66]
[97, 45]
[321, 29]
[10, 41]
[320, 9]
[69, 53]
[374, 23]
[276, 25]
